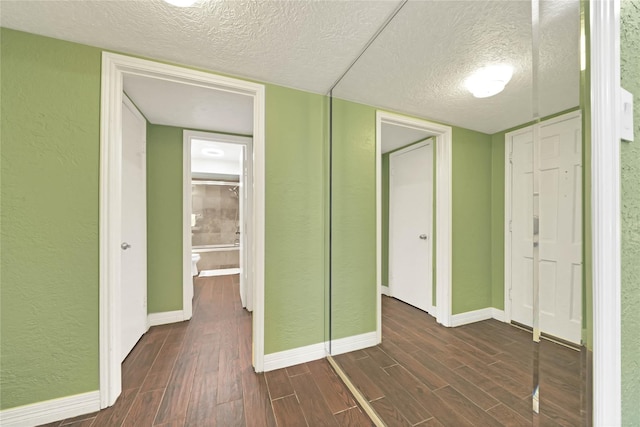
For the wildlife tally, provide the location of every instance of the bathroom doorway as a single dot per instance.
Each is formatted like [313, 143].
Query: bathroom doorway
[217, 205]
[176, 89]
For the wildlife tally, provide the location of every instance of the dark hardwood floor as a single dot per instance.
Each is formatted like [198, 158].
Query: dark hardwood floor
[199, 373]
[474, 375]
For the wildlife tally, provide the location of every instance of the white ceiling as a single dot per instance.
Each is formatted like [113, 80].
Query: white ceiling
[175, 104]
[417, 64]
[394, 136]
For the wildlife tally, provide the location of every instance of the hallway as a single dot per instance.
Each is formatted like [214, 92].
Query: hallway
[199, 373]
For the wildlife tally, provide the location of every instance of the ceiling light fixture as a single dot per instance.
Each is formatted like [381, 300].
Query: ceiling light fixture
[213, 152]
[181, 3]
[489, 81]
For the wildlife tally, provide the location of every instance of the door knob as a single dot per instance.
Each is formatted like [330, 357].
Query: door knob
[125, 246]
[424, 236]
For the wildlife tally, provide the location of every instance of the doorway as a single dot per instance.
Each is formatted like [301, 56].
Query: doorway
[217, 206]
[114, 68]
[557, 144]
[442, 151]
[410, 224]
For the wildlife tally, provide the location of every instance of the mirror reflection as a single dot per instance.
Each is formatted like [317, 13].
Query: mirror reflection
[457, 216]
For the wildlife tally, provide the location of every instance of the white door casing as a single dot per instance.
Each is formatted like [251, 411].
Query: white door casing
[560, 267]
[410, 225]
[443, 153]
[114, 67]
[241, 228]
[246, 217]
[247, 230]
[134, 228]
[520, 291]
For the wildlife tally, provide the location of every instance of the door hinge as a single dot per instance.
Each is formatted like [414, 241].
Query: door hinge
[510, 226]
[510, 298]
[511, 157]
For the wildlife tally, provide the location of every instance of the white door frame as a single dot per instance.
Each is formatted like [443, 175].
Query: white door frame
[114, 67]
[443, 155]
[247, 238]
[508, 171]
[415, 146]
[605, 210]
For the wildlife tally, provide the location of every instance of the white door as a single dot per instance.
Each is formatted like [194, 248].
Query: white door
[410, 225]
[560, 267]
[133, 282]
[561, 229]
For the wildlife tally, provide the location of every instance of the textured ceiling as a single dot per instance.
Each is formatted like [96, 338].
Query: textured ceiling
[416, 65]
[419, 63]
[174, 104]
[300, 44]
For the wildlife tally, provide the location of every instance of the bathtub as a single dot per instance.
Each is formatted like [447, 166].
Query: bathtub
[217, 257]
[215, 248]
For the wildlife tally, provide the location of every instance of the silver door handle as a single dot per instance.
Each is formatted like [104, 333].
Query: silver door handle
[125, 246]
[424, 236]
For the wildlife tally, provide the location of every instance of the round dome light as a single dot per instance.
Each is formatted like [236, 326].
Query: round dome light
[212, 152]
[489, 81]
[181, 3]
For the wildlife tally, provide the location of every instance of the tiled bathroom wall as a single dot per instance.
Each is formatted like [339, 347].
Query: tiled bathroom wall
[216, 210]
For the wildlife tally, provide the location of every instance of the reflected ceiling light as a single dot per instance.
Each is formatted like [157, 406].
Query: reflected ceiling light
[181, 3]
[213, 152]
[489, 81]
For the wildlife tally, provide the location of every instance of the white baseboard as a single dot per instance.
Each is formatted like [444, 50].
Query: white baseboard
[384, 290]
[295, 356]
[471, 317]
[498, 314]
[308, 353]
[51, 410]
[156, 319]
[477, 316]
[353, 343]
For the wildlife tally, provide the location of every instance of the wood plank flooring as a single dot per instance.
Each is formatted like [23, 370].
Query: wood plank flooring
[199, 373]
[474, 375]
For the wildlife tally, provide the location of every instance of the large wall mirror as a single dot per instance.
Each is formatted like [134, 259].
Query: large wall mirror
[458, 212]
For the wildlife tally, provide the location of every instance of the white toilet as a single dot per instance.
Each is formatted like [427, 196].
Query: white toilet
[194, 264]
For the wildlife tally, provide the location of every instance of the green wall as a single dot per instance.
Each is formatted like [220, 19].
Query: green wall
[630, 230]
[384, 196]
[353, 285]
[49, 116]
[50, 112]
[164, 218]
[471, 205]
[294, 249]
